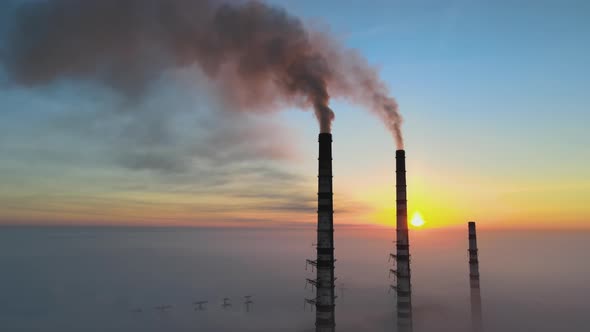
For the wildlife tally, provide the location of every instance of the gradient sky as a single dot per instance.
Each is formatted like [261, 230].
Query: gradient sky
[492, 93]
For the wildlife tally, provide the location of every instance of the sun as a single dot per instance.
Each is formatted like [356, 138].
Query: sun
[417, 220]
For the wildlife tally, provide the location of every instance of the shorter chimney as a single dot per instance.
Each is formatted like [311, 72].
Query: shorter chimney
[476, 319]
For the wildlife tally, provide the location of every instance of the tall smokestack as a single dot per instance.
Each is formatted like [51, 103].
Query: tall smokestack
[325, 314]
[476, 320]
[404, 286]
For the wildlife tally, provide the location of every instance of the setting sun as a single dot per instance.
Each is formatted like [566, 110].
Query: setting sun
[417, 220]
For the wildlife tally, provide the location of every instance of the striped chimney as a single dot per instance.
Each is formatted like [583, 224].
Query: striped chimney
[476, 319]
[404, 286]
[325, 314]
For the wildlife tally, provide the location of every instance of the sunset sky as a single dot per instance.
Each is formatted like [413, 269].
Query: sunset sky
[495, 105]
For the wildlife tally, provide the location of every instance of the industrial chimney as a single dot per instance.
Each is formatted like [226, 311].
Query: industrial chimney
[324, 301]
[402, 258]
[476, 320]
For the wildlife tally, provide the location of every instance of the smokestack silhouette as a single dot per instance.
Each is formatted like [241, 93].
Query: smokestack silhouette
[258, 56]
[476, 316]
[325, 297]
[404, 285]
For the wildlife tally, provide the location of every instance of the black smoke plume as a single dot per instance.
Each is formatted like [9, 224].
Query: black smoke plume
[259, 56]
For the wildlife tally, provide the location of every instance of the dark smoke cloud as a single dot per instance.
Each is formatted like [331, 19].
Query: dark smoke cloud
[258, 55]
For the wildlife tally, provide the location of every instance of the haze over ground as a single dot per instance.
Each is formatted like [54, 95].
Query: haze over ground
[90, 279]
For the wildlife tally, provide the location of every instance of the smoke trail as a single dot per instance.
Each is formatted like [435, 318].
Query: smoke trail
[258, 55]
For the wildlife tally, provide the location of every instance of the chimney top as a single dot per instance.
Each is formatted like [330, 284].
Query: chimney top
[325, 137]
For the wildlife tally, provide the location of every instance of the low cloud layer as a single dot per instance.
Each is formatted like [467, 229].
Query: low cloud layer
[87, 143]
[88, 279]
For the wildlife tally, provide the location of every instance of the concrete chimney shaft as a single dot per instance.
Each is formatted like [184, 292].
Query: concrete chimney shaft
[476, 315]
[404, 286]
[325, 297]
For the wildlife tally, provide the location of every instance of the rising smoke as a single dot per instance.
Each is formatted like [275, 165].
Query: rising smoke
[258, 56]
